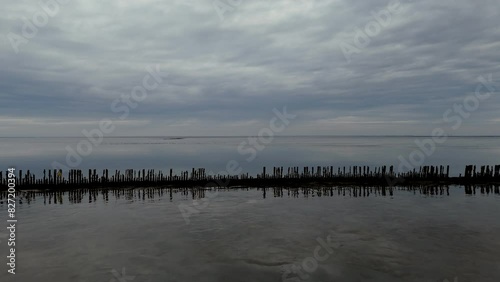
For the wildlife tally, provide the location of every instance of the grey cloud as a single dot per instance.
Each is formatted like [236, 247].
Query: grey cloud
[225, 77]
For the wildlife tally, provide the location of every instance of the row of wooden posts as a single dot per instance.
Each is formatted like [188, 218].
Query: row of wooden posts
[486, 171]
[76, 176]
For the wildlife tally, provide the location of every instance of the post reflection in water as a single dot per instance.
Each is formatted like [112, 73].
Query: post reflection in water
[152, 194]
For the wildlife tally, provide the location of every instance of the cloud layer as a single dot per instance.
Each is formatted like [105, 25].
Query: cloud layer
[229, 66]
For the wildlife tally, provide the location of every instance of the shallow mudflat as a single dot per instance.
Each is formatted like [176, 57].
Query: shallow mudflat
[249, 235]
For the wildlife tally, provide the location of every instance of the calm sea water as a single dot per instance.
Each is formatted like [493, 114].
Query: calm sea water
[213, 153]
[240, 236]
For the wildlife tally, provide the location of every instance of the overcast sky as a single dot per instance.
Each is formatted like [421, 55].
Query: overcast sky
[227, 70]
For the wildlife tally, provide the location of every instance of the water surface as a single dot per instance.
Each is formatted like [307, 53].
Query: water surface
[214, 153]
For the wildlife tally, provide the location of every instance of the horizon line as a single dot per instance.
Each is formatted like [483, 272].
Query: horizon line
[244, 136]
